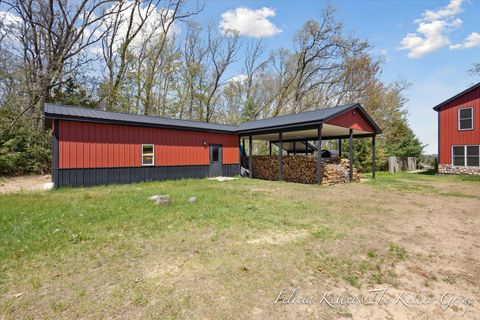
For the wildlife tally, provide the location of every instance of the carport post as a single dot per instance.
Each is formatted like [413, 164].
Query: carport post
[270, 146]
[319, 154]
[280, 155]
[339, 148]
[250, 162]
[240, 148]
[373, 157]
[294, 149]
[350, 156]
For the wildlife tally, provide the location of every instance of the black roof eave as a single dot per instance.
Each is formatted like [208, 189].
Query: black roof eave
[440, 105]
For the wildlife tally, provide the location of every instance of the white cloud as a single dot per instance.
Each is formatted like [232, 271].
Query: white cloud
[8, 19]
[432, 31]
[9, 24]
[238, 78]
[455, 46]
[473, 40]
[452, 9]
[249, 22]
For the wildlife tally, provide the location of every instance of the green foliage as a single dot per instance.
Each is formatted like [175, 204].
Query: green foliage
[397, 251]
[22, 150]
[402, 141]
[385, 105]
[372, 254]
[72, 93]
[248, 113]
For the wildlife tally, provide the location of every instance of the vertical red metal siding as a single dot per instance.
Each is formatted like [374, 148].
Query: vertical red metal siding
[351, 120]
[94, 145]
[448, 131]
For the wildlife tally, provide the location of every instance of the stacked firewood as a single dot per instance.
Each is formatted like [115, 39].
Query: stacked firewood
[303, 169]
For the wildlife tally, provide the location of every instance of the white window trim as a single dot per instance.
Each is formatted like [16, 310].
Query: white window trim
[458, 116]
[147, 154]
[464, 154]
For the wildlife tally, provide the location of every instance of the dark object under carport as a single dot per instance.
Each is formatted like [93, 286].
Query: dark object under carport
[344, 122]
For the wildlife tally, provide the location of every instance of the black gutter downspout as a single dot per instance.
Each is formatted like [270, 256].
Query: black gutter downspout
[250, 161]
[240, 148]
[280, 156]
[55, 153]
[350, 156]
[438, 130]
[373, 157]
[319, 154]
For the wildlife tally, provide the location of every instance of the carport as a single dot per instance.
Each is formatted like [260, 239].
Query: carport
[302, 133]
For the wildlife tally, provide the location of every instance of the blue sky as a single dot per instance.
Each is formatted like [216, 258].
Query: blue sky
[435, 62]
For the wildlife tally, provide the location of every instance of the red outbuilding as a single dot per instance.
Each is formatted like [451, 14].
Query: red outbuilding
[459, 133]
[95, 147]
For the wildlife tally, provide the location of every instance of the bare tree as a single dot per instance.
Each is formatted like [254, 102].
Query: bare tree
[54, 36]
[204, 64]
[223, 50]
[145, 21]
[475, 70]
[192, 70]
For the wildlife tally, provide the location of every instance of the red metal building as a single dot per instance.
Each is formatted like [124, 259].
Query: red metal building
[459, 132]
[94, 147]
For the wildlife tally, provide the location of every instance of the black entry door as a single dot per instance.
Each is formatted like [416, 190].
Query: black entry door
[216, 160]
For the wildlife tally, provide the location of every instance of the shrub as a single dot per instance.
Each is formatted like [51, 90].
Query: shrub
[22, 150]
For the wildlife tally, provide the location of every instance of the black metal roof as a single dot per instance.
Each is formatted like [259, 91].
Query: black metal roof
[438, 106]
[303, 119]
[53, 111]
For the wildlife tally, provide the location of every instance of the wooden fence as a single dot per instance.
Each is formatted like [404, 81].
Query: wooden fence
[397, 164]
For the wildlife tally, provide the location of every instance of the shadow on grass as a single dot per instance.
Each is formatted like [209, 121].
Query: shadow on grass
[428, 172]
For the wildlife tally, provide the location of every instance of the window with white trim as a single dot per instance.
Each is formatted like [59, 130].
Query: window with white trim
[473, 155]
[148, 155]
[466, 156]
[465, 118]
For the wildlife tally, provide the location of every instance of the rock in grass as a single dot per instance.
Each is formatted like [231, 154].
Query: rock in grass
[161, 199]
[192, 199]
[165, 201]
[156, 197]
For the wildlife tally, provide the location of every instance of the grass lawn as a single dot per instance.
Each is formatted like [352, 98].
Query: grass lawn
[109, 252]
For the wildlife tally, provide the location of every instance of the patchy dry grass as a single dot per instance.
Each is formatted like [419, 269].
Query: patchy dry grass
[108, 252]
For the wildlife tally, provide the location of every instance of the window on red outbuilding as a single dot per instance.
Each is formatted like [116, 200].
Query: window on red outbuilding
[465, 118]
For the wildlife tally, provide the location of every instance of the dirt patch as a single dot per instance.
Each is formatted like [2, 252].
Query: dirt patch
[278, 238]
[23, 183]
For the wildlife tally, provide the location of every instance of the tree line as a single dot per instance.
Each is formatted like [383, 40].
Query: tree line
[153, 57]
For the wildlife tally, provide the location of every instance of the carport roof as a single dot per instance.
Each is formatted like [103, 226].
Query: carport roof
[303, 119]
